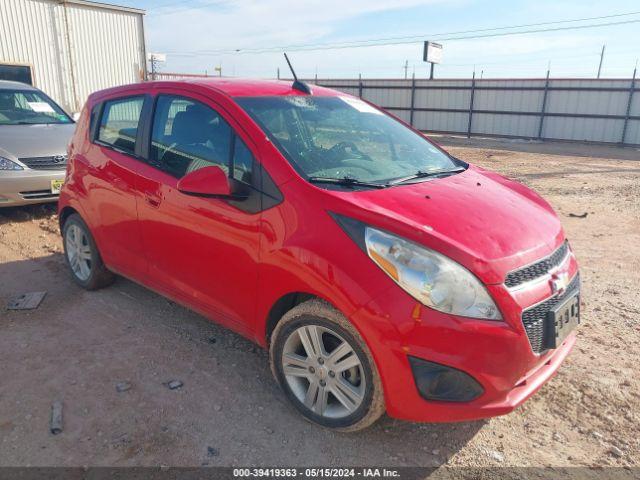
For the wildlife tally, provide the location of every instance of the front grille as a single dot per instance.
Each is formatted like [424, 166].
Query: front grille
[538, 269]
[54, 162]
[38, 194]
[534, 319]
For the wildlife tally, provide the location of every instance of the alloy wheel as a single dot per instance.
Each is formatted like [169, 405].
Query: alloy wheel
[78, 252]
[323, 371]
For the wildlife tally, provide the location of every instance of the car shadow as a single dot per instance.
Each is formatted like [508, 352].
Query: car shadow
[26, 213]
[77, 345]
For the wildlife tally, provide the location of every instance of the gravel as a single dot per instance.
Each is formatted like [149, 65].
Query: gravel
[78, 342]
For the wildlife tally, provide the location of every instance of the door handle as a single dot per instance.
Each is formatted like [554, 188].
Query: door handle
[152, 198]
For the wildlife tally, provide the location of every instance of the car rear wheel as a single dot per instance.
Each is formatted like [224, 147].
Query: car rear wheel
[325, 368]
[82, 255]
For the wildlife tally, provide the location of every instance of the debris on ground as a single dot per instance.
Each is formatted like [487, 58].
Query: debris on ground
[616, 452]
[579, 215]
[497, 456]
[26, 301]
[55, 424]
[174, 384]
[212, 452]
[123, 387]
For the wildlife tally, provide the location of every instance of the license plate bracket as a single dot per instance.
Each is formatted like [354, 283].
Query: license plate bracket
[563, 319]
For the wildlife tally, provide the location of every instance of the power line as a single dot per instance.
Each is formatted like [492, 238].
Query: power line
[436, 35]
[177, 10]
[414, 39]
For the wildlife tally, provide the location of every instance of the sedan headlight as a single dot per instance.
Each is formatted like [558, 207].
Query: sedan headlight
[431, 278]
[6, 164]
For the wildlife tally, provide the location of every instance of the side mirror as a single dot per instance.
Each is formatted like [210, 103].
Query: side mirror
[206, 181]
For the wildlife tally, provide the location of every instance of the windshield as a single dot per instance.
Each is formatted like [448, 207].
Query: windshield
[26, 107]
[344, 137]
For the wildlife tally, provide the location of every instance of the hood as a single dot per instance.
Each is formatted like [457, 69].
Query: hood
[21, 141]
[486, 222]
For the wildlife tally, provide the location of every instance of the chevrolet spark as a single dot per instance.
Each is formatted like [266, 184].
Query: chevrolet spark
[382, 273]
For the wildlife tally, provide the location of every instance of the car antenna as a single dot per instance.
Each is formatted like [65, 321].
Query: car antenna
[297, 84]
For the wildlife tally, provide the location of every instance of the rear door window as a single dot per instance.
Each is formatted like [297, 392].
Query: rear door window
[119, 123]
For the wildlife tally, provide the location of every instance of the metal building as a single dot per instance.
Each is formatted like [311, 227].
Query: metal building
[70, 48]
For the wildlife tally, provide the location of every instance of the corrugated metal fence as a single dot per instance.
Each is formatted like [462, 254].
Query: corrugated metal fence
[603, 111]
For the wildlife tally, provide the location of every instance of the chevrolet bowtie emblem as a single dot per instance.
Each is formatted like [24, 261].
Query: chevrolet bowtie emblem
[559, 282]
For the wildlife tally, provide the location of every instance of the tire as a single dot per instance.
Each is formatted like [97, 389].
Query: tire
[341, 399]
[82, 255]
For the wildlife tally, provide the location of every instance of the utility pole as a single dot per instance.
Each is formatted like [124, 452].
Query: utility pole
[155, 66]
[601, 58]
[431, 74]
[278, 73]
[406, 68]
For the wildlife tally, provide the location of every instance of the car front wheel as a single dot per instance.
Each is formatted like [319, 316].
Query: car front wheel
[325, 368]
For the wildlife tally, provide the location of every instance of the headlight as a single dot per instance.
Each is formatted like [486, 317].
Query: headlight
[6, 164]
[431, 278]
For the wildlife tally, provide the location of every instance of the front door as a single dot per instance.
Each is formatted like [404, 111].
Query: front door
[203, 251]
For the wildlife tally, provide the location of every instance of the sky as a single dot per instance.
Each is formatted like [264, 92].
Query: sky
[199, 35]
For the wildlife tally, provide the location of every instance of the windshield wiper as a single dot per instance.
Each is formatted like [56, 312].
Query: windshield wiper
[347, 181]
[421, 174]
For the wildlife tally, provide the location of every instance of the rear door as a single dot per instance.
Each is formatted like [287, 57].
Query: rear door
[202, 250]
[111, 181]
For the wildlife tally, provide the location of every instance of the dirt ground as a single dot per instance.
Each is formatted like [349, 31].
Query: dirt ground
[78, 345]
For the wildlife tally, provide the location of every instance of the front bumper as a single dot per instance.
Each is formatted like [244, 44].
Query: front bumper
[497, 354]
[24, 187]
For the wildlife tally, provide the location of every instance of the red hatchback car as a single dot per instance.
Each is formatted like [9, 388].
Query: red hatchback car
[382, 273]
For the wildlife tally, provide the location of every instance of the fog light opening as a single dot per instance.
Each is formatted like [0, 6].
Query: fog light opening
[445, 384]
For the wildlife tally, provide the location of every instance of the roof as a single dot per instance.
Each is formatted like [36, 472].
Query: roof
[249, 87]
[106, 6]
[233, 87]
[8, 84]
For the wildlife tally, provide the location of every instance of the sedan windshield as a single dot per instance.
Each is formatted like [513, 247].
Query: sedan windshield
[26, 107]
[345, 138]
